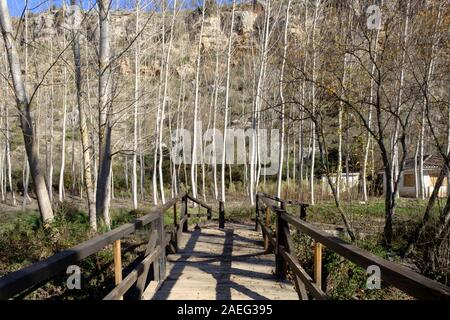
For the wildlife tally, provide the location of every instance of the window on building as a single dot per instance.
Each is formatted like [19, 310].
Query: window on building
[408, 180]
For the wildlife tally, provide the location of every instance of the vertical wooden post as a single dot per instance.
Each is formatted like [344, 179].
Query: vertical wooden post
[281, 240]
[184, 214]
[162, 241]
[267, 223]
[257, 213]
[175, 233]
[221, 215]
[318, 263]
[302, 212]
[117, 252]
[209, 214]
[175, 214]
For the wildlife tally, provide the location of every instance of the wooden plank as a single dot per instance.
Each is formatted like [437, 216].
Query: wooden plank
[290, 248]
[117, 262]
[399, 276]
[117, 252]
[142, 278]
[267, 234]
[199, 202]
[318, 263]
[267, 223]
[290, 202]
[216, 263]
[221, 215]
[315, 291]
[131, 278]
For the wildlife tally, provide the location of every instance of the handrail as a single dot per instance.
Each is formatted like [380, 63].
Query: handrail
[286, 201]
[399, 276]
[39, 272]
[201, 204]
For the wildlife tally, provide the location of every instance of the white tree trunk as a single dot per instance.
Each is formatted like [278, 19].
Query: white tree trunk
[227, 98]
[197, 88]
[134, 190]
[63, 134]
[282, 102]
[313, 97]
[24, 108]
[84, 133]
[104, 107]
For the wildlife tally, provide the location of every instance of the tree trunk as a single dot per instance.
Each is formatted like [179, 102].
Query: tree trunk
[24, 109]
[227, 98]
[134, 187]
[196, 106]
[282, 102]
[104, 112]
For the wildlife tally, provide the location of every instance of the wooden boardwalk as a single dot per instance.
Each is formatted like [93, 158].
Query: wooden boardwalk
[219, 264]
[222, 264]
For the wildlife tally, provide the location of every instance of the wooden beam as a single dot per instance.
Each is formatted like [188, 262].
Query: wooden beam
[132, 277]
[318, 264]
[221, 215]
[117, 263]
[399, 276]
[315, 291]
[267, 224]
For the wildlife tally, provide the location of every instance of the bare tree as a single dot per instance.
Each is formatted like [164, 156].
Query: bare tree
[24, 108]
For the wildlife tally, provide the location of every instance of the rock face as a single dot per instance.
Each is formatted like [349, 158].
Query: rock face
[249, 19]
[215, 29]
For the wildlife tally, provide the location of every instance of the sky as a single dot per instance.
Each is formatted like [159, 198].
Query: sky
[16, 7]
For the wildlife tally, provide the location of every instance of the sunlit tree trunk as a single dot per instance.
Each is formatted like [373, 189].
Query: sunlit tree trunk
[84, 133]
[134, 187]
[282, 102]
[227, 98]
[24, 109]
[196, 107]
[63, 134]
[104, 112]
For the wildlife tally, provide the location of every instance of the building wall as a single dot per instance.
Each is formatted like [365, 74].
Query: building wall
[353, 180]
[410, 191]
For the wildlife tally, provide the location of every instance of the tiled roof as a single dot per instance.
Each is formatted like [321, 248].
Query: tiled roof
[430, 161]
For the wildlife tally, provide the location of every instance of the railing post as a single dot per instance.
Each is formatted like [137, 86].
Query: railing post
[175, 233]
[318, 263]
[280, 264]
[266, 237]
[117, 252]
[175, 214]
[302, 210]
[162, 241]
[257, 213]
[209, 214]
[221, 215]
[184, 214]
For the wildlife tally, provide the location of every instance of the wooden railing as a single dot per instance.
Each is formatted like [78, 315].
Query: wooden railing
[281, 243]
[160, 237]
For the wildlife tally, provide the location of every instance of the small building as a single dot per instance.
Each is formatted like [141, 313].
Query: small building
[408, 183]
[347, 182]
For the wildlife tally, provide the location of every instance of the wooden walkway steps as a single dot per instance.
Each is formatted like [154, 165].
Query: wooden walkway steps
[222, 264]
